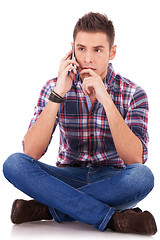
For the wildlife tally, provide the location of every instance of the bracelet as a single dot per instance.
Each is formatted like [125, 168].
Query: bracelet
[54, 97]
[57, 94]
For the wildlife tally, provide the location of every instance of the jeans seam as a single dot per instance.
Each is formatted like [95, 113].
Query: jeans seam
[88, 183]
[68, 178]
[59, 174]
[105, 218]
[56, 215]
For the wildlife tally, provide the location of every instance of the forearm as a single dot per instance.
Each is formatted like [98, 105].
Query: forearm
[127, 144]
[38, 136]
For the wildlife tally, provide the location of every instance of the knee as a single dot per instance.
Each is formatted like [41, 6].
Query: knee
[143, 176]
[13, 165]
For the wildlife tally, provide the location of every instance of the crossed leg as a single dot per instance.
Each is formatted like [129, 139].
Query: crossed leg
[68, 194]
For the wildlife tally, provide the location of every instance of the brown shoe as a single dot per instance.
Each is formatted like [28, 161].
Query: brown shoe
[137, 209]
[130, 221]
[26, 211]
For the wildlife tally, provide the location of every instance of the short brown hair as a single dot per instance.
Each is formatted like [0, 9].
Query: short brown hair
[95, 22]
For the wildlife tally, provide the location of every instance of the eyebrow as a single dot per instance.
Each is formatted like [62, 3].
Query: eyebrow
[81, 45]
[99, 46]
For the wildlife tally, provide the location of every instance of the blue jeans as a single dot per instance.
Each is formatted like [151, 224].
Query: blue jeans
[87, 194]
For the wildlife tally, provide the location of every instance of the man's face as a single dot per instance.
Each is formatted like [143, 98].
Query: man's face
[92, 51]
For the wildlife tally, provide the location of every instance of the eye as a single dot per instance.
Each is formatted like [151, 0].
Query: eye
[81, 49]
[98, 50]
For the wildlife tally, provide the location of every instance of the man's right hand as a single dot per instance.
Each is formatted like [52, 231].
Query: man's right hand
[64, 81]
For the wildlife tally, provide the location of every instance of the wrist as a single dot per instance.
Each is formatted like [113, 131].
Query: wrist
[107, 101]
[55, 97]
[59, 92]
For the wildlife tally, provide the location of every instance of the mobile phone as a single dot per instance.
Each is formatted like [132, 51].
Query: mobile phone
[73, 54]
[72, 58]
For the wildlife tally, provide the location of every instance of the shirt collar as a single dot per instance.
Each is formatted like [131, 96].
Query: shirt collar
[108, 80]
[110, 75]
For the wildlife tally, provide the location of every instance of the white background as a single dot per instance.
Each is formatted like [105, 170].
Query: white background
[34, 36]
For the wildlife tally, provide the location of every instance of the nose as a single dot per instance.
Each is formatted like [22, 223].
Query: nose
[88, 57]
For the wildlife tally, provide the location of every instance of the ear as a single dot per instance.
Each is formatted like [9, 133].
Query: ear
[112, 53]
[72, 44]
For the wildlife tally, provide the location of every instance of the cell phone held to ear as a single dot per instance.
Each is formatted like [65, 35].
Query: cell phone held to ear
[72, 58]
[73, 54]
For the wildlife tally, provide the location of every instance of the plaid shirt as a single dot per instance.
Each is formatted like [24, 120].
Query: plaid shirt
[85, 135]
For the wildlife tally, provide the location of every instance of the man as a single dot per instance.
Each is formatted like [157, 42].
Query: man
[100, 175]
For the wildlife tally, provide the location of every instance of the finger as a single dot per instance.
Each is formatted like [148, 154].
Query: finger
[87, 90]
[74, 70]
[89, 71]
[71, 75]
[68, 55]
[72, 62]
[84, 90]
[70, 68]
[67, 67]
[67, 62]
[87, 79]
[87, 87]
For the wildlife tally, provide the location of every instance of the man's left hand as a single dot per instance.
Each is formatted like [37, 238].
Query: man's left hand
[93, 84]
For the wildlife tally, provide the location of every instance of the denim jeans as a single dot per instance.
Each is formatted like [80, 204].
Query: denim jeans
[87, 194]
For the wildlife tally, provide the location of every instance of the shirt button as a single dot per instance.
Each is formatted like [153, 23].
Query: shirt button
[91, 154]
[92, 113]
[92, 135]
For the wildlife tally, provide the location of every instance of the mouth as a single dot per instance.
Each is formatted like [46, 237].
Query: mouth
[93, 68]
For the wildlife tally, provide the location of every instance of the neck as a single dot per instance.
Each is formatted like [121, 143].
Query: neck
[104, 74]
